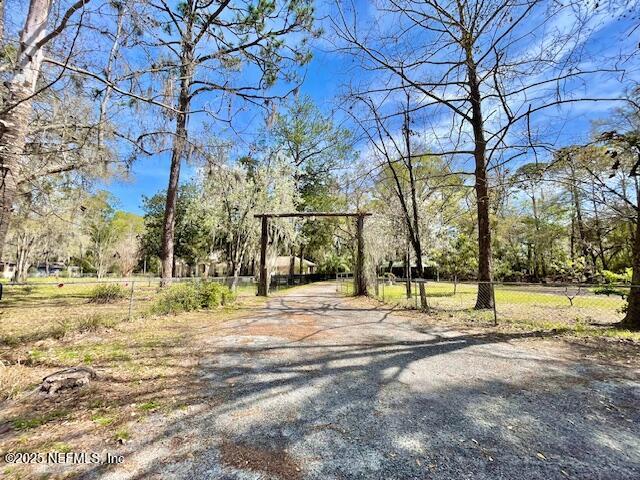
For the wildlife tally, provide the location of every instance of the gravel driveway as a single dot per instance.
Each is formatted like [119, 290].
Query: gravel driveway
[314, 386]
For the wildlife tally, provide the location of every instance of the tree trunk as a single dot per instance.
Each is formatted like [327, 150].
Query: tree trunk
[485, 293]
[263, 285]
[16, 108]
[360, 281]
[236, 276]
[301, 259]
[598, 229]
[632, 318]
[414, 203]
[584, 249]
[177, 153]
[23, 250]
[292, 265]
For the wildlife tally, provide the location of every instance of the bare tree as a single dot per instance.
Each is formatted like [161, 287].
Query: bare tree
[398, 159]
[618, 190]
[484, 70]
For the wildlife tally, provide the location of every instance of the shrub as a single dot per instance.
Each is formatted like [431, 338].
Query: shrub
[213, 295]
[609, 290]
[108, 293]
[180, 297]
[184, 297]
[612, 277]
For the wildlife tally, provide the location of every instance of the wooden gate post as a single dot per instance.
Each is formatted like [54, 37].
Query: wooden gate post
[262, 285]
[359, 276]
[360, 287]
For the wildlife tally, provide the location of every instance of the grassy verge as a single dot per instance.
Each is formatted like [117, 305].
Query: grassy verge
[524, 308]
[146, 367]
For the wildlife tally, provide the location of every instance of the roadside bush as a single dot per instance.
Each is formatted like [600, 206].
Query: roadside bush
[185, 297]
[179, 297]
[108, 293]
[214, 295]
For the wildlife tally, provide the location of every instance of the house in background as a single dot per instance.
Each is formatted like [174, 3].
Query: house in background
[283, 264]
[51, 269]
[7, 269]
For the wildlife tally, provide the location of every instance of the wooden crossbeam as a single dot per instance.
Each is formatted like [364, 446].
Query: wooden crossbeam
[312, 214]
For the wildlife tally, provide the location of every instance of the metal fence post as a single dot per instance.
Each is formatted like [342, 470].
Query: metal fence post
[493, 298]
[131, 298]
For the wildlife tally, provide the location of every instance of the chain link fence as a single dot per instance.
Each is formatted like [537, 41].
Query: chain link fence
[51, 309]
[503, 302]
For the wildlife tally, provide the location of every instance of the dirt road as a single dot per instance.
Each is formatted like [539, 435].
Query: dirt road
[322, 387]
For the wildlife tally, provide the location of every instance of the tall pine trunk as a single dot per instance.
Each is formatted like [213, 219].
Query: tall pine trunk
[16, 108]
[177, 153]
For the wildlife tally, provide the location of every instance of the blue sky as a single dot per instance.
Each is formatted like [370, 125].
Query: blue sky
[328, 72]
[149, 175]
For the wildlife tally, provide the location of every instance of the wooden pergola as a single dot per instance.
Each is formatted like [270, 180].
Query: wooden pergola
[360, 284]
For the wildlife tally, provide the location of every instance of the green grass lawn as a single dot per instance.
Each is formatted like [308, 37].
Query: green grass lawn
[524, 305]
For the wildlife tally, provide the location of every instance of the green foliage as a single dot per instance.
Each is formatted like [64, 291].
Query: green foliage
[459, 258]
[194, 225]
[108, 293]
[185, 297]
[334, 263]
[213, 295]
[610, 290]
[179, 297]
[612, 277]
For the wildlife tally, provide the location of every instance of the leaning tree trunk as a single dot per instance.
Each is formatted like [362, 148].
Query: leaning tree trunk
[179, 143]
[632, 318]
[485, 292]
[16, 108]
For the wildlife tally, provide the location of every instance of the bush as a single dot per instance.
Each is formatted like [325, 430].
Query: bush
[609, 290]
[214, 295]
[612, 277]
[185, 297]
[108, 293]
[180, 297]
